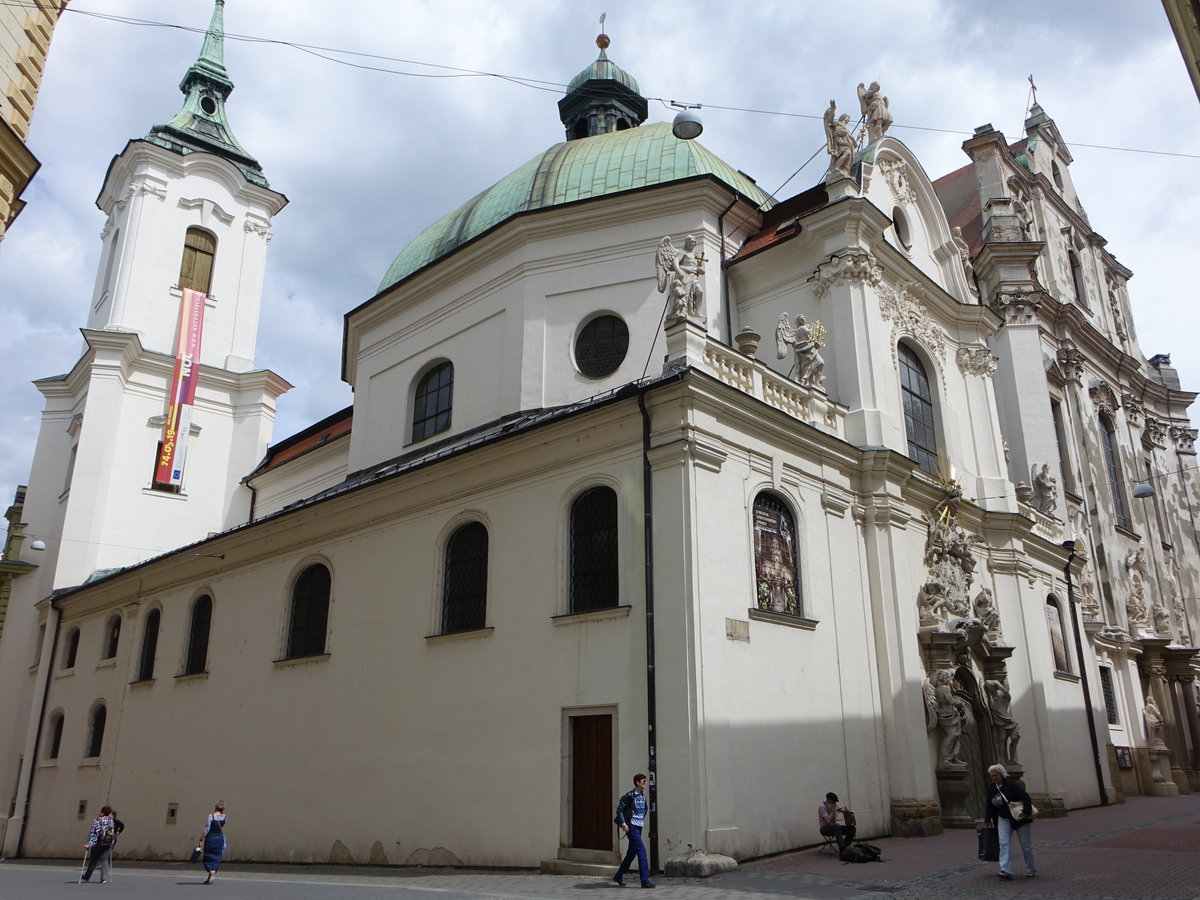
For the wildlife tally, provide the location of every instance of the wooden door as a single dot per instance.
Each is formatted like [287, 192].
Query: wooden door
[592, 803]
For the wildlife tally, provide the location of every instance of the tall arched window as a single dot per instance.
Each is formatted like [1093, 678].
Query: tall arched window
[309, 617]
[1077, 277]
[56, 733]
[1112, 468]
[96, 730]
[433, 401]
[1058, 636]
[464, 585]
[197, 650]
[918, 410]
[72, 649]
[594, 582]
[199, 251]
[776, 573]
[149, 646]
[112, 636]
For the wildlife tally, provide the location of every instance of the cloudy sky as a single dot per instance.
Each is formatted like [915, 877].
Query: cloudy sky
[368, 158]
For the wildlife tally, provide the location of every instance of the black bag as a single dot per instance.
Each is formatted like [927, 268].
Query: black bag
[861, 852]
[196, 854]
[107, 836]
[989, 844]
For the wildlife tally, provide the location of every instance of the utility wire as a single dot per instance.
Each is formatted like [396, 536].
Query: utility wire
[322, 52]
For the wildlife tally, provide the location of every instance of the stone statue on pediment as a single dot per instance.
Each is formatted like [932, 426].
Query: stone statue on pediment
[985, 611]
[1155, 723]
[945, 712]
[1005, 728]
[875, 110]
[839, 143]
[1045, 497]
[681, 277]
[806, 341]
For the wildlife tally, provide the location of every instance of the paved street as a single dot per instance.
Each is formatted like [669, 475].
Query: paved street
[1144, 848]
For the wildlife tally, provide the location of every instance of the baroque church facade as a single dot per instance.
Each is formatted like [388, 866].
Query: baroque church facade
[646, 470]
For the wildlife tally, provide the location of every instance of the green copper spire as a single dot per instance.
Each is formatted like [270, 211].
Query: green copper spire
[201, 126]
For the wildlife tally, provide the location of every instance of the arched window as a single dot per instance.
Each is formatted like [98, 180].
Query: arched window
[464, 585]
[56, 732]
[112, 636]
[197, 650]
[1058, 636]
[1112, 467]
[433, 401]
[1077, 277]
[776, 574]
[1056, 174]
[149, 646]
[918, 410]
[96, 731]
[199, 251]
[594, 581]
[900, 223]
[72, 649]
[309, 617]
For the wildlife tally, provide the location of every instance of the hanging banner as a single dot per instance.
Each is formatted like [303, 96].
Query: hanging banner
[183, 390]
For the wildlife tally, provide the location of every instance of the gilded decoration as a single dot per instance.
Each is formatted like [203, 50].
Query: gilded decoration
[943, 601]
[976, 361]
[856, 266]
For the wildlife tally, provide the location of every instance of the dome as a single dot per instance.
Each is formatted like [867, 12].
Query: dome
[603, 69]
[575, 170]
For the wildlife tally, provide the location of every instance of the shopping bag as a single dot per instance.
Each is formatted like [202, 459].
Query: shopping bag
[989, 844]
[196, 854]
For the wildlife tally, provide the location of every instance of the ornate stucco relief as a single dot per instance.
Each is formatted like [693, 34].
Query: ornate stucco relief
[855, 266]
[976, 361]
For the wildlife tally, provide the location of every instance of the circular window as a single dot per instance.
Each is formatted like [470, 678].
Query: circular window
[900, 223]
[601, 346]
[208, 105]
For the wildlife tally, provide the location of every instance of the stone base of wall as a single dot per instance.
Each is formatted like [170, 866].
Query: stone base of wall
[915, 818]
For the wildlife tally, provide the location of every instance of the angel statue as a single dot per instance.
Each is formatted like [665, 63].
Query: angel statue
[875, 110]
[681, 278]
[839, 143]
[806, 340]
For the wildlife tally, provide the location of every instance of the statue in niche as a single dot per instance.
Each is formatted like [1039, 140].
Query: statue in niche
[806, 340]
[945, 712]
[1045, 498]
[875, 110]
[839, 143]
[1162, 620]
[1155, 724]
[1135, 604]
[1088, 601]
[1006, 729]
[1185, 634]
[681, 278]
[964, 256]
[986, 613]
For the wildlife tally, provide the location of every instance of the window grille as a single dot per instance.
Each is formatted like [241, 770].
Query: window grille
[777, 583]
[918, 411]
[197, 653]
[1110, 695]
[113, 638]
[594, 580]
[199, 251]
[310, 613]
[96, 737]
[601, 346]
[149, 646]
[1112, 467]
[56, 733]
[72, 649]
[464, 589]
[433, 401]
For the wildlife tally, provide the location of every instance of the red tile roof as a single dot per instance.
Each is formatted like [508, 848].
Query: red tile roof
[318, 435]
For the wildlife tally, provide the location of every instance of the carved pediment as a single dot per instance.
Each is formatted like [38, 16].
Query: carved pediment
[1103, 397]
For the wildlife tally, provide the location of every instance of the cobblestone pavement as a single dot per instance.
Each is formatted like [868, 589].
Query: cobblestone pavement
[1145, 848]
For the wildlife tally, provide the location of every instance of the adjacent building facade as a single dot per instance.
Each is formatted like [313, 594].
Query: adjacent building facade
[862, 489]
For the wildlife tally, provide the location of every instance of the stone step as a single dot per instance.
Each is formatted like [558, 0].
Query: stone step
[561, 866]
[580, 854]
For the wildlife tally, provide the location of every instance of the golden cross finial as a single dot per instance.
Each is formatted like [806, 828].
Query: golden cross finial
[604, 16]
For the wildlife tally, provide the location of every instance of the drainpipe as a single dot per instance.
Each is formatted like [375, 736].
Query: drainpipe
[1076, 626]
[30, 762]
[651, 704]
[725, 274]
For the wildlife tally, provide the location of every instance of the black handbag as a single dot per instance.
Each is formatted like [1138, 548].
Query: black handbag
[989, 844]
[196, 854]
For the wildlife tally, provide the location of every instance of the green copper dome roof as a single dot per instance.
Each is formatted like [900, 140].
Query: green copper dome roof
[603, 69]
[575, 170]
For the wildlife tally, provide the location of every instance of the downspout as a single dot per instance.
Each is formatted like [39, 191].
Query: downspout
[725, 274]
[31, 760]
[1076, 623]
[651, 693]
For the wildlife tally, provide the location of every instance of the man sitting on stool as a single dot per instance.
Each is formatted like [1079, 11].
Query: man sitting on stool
[827, 819]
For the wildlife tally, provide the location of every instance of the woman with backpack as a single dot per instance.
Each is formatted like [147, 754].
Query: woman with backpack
[99, 845]
[213, 841]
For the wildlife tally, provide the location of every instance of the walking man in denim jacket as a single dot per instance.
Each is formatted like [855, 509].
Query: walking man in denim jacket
[631, 816]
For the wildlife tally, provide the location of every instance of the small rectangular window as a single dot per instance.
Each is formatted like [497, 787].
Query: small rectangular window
[1065, 469]
[1110, 695]
[199, 251]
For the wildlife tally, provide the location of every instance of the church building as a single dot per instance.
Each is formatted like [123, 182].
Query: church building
[860, 489]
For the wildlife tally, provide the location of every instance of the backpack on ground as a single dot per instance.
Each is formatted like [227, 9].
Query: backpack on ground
[860, 852]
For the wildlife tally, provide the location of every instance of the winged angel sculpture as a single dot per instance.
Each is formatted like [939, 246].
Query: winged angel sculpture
[681, 278]
[806, 340]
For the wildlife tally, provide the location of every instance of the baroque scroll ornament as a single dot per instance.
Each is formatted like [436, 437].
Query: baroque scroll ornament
[905, 308]
[976, 361]
[845, 268]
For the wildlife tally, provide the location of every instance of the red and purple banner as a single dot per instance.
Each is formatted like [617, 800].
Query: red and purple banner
[183, 390]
